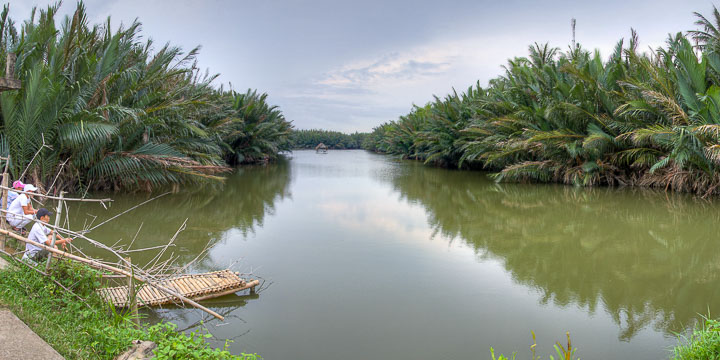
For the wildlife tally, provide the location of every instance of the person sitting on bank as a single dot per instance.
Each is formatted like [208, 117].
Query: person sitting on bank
[21, 210]
[43, 235]
[12, 195]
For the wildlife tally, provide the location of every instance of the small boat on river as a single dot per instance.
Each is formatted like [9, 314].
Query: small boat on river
[321, 148]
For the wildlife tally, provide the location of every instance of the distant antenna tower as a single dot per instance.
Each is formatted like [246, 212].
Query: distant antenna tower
[572, 24]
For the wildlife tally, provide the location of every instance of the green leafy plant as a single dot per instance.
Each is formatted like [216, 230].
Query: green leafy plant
[703, 343]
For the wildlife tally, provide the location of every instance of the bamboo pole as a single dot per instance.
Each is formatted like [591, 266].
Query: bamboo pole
[250, 285]
[5, 183]
[55, 197]
[54, 235]
[3, 221]
[10, 66]
[132, 302]
[114, 269]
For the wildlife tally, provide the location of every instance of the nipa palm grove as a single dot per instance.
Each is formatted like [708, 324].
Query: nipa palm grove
[103, 109]
[643, 118]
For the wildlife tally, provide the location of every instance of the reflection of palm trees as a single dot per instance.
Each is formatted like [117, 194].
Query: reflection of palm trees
[241, 203]
[648, 259]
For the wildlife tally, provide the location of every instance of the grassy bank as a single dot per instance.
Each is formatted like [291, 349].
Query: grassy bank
[83, 326]
[704, 343]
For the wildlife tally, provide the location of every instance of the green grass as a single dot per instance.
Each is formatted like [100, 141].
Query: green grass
[89, 328]
[704, 343]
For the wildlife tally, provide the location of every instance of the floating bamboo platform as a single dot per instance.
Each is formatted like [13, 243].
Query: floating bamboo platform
[196, 287]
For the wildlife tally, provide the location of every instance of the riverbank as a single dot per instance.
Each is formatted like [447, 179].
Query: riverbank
[576, 117]
[184, 132]
[82, 326]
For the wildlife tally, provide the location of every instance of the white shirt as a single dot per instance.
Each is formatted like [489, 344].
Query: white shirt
[39, 233]
[11, 197]
[16, 207]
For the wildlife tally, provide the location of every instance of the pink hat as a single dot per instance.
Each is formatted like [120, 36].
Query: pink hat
[18, 185]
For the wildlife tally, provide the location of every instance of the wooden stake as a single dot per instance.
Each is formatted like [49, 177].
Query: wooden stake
[132, 301]
[54, 235]
[98, 265]
[3, 221]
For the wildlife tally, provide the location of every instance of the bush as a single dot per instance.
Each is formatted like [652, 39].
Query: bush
[703, 344]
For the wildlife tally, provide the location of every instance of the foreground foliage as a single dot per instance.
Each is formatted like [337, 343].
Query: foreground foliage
[88, 328]
[704, 343]
[648, 119]
[108, 110]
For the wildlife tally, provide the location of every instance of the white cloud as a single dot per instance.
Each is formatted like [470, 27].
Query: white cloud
[406, 67]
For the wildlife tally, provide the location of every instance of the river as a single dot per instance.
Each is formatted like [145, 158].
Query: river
[368, 257]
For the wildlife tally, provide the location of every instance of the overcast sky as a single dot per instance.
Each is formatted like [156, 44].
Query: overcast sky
[352, 65]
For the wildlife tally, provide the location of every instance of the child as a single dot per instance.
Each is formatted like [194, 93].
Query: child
[41, 234]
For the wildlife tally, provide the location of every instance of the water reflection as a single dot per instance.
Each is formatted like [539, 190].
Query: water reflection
[647, 258]
[242, 203]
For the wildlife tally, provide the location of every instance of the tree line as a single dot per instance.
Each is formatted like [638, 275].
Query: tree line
[635, 118]
[104, 109]
[309, 139]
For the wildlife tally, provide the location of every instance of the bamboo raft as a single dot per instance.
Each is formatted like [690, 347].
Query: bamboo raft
[196, 287]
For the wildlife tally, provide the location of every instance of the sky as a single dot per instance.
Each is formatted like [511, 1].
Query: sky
[353, 65]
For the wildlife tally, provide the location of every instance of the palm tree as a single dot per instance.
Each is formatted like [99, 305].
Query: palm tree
[649, 119]
[102, 109]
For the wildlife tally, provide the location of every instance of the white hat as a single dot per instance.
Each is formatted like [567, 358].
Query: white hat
[30, 187]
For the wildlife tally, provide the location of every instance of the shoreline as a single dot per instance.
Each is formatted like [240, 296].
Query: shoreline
[98, 330]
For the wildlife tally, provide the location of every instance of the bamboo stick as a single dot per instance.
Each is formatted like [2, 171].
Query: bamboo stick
[54, 235]
[132, 295]
[125, 212]
[5, 183]
[102, 266]
[56, 197]
[4, 204]
[249, 285]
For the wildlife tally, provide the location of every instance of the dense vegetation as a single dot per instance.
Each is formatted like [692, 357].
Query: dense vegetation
[108, 110]
[309, 139]
[85, 327]
[650, 119]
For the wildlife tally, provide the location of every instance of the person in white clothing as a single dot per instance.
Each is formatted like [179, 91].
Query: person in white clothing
[21, 211]
[43, 235]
